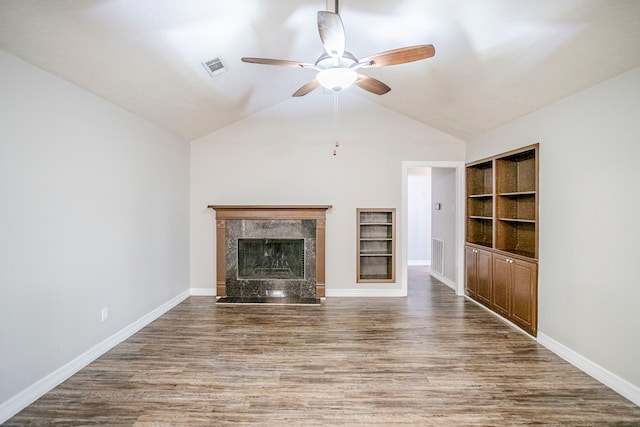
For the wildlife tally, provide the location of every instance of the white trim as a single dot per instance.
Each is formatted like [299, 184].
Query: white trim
[444, 280]
[203, 292]
[366, 293]
[606, 377]
[17, 403]
[419, 263]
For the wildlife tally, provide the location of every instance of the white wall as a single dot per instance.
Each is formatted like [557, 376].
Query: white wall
[419, 216]
[589, 293]
[443, 221]
[283, 156]
[94, 214]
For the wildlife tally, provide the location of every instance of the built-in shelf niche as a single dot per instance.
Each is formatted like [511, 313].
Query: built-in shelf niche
[480, 203]
[480, 179]
[516, 173]
[520, 207]
[516, 237]
[375, 243]
[480, 231]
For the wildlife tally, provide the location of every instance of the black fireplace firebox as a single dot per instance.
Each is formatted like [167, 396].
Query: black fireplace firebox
[260, 259]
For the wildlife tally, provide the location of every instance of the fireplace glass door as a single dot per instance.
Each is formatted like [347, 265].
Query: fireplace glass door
[260, 259]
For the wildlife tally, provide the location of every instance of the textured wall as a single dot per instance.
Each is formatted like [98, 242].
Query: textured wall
[94, 214]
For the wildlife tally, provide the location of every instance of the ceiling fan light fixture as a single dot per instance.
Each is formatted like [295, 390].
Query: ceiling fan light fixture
[337, 79]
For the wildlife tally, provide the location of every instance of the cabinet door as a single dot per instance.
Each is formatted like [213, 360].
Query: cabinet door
[501, 283]
[470, 277]
[484, 276]
[524, 294]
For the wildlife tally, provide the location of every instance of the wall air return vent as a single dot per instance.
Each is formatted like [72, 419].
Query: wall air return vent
[214, 66]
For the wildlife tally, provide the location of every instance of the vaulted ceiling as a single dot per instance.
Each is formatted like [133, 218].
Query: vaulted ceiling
[495, 60]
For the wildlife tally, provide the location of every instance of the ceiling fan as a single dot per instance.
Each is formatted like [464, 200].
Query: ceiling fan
[338, 68]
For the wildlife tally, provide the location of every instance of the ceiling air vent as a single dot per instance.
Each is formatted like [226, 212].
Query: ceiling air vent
[214, 66]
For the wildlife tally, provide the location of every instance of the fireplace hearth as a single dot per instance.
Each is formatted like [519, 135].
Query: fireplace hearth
[270, 254]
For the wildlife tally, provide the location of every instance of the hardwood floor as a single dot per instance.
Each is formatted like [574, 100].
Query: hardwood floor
[430, 359]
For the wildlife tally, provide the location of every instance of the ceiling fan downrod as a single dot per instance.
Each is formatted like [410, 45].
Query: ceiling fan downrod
[333, 6]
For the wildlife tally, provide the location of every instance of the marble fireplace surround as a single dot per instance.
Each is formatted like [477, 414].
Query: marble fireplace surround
[234, 222]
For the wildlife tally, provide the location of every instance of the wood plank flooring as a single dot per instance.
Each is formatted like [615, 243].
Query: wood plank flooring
[430, 359]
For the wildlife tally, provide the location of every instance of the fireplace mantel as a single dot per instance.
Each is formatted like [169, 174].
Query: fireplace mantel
[260, 213]
[270, 211]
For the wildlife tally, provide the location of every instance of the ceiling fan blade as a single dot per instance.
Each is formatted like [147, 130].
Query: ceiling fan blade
[307, 88]
[331, 33]
[400, 56]
[281, 62]
[372, 85]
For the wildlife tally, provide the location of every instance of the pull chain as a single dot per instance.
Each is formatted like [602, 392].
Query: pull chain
[335, 121]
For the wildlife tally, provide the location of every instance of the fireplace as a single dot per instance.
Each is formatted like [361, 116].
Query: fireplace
[267, 252]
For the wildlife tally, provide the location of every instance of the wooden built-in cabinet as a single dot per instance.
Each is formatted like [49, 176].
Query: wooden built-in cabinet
[515, 290]
[375, 242]
[502, 235]
[478, 276]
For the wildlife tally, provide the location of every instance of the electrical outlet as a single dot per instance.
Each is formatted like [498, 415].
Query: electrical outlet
[105, 313]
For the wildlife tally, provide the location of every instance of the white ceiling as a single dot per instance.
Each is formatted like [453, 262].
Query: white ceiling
[495, 60]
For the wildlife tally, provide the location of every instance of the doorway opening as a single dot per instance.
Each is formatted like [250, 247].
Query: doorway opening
[433, 223]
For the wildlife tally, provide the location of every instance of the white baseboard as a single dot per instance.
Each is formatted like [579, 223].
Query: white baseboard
[365, 293]
[17, 403]
[203, 292]
[608, 378]
[444, 280]
[418, 263]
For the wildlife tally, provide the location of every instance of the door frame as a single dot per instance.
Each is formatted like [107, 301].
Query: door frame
[459, 166]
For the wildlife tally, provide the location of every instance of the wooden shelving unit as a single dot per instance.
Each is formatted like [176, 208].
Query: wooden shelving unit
[516, 190]
[502, 221]
[376, 241]
[480, 203]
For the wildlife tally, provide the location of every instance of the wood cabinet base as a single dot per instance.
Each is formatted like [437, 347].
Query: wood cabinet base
[505, 284]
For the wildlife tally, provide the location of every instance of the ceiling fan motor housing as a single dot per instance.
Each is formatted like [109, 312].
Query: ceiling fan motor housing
[326, 61]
